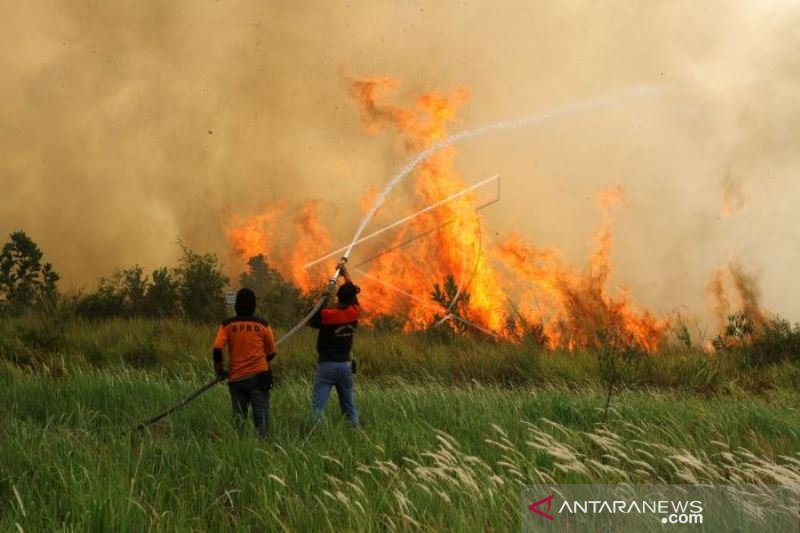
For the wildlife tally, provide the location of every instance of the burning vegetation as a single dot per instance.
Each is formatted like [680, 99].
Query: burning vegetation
[441, 268]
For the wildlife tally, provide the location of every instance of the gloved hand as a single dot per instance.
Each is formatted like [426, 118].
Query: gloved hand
[220, 370]
[343, 272]
[265, 379]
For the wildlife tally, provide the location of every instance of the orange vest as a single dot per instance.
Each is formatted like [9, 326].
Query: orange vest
[250, 341]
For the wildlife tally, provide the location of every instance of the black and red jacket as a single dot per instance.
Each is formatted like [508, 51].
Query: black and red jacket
[336, 328]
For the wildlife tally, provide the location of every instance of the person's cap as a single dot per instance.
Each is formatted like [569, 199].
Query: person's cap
[245, 302]
[347, 291]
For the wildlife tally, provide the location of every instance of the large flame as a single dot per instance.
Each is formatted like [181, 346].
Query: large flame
[312, 241]
[508, 288]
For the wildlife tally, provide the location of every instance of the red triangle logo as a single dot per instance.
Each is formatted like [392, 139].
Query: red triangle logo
[549, 500]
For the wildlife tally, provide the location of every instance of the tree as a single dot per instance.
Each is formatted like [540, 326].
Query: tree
[278, 299]
[131, 293]
[162, 298]
[201, 285]
[134, 286]
[24, 281]
[617, 355]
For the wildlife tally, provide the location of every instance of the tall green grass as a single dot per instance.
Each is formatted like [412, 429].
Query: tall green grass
[453, 429]
[181, 348]
[429, 457]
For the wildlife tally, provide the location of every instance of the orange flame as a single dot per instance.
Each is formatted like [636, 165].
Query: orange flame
[250, 236]
[302, 239]
[313, 241]
[508, 287]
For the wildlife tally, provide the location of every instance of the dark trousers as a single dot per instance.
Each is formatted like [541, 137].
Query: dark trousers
[253, 391]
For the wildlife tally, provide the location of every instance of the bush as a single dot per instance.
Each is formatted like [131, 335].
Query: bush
[738, 332]
[195, 290]
[278, 299]
[201, 287]
[778, 342]
[162, 298]
[106, 302]
[130, 293]
[384, 323]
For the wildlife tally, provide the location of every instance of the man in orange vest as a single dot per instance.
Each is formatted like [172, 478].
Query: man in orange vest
[251, 347]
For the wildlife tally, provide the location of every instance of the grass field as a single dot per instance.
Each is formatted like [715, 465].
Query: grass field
[180, 349]
[452, 432]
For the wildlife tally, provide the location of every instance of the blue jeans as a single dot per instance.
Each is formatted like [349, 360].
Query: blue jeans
[253, 391]
[339, 375]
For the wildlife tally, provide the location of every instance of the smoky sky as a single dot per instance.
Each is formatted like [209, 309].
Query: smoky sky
[128, 125]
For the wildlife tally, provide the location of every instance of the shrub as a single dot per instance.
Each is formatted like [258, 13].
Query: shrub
[738, 332]
[384, 323]
[162, 297]
[778, 342]
[106, 302]
[278, 299]
[201, 287]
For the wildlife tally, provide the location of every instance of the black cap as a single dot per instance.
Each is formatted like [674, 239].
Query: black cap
[245, 302]
[347, 292]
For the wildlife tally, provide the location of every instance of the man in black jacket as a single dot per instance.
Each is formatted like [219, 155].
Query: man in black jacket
[334, 343]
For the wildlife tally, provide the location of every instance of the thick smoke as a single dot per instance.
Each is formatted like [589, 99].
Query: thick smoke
[129, 125]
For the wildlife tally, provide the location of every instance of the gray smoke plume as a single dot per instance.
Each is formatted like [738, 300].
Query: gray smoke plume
[128, 125]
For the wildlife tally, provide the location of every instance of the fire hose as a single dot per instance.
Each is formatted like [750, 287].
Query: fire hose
[219, 379]
[180, 404]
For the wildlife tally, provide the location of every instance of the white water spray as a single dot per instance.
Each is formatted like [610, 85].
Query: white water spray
[634, 93]
[406, 219]
[629, 95]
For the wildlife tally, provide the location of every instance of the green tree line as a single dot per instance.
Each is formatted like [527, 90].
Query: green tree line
[193, 290]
